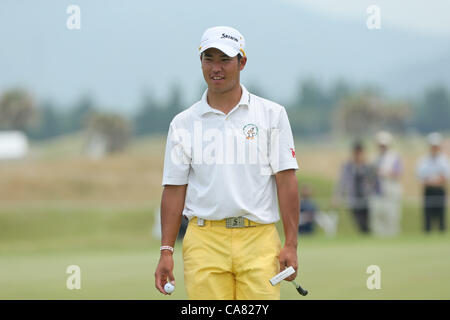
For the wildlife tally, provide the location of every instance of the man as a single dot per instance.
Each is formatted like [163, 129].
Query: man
[355, 185]
[433, 171]
[228, 189]
[385, 212]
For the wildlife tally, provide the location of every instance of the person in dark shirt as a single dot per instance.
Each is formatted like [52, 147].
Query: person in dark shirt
[356, 183]
[308, 210]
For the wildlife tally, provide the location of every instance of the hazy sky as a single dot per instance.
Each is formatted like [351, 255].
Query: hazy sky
[125, 50]
[427, 17]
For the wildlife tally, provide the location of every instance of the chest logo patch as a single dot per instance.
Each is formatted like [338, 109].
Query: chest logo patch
[250, 131]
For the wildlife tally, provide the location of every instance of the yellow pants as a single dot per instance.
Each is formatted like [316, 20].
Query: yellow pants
[228, 264]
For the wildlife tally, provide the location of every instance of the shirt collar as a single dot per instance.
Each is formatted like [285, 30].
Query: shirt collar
[205, 107]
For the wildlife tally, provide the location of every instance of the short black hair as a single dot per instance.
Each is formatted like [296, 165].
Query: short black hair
[239, 57]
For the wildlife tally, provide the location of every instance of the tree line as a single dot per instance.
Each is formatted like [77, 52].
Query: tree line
[314, 110]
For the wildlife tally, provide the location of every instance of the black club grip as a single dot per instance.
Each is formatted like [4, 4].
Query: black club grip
[302, 291]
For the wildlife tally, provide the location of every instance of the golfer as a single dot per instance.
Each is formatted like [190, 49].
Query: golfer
[229, 162]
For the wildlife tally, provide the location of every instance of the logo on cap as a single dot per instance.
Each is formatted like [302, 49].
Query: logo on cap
[228, 37]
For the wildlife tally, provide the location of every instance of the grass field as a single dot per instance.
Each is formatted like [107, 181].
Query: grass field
[58, 208]
[411, 268]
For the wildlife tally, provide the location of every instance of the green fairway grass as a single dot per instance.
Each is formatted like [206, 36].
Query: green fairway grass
[411, 268]
[60, 208]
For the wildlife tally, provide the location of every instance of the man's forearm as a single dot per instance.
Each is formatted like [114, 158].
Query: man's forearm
[172, 205]
[289, 201]
[436, 182]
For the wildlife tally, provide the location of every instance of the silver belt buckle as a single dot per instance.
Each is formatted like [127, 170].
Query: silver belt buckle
[200, 222]
[235, 222]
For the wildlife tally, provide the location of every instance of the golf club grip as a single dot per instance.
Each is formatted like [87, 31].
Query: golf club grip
[302, 291]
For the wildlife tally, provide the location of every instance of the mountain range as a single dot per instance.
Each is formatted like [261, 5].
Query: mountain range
[126, 49]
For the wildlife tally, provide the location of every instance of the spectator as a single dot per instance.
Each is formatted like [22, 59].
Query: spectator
[355, 185]
[308, 211]
[385, 203]
[433, 171]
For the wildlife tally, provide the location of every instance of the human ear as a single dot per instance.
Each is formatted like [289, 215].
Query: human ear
[242, 63]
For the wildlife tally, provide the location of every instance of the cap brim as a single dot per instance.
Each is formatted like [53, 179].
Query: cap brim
[229, 51]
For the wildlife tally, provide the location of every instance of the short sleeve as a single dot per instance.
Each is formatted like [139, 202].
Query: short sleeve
[177, 157]
[282, 149]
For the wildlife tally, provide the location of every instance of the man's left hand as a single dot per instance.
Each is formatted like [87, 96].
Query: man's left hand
[287, 258]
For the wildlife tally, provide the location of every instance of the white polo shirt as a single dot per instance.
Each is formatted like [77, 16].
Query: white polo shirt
[430, 167]
[229, 160]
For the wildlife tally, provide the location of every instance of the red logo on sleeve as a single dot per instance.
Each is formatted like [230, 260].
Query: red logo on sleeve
[293, 152]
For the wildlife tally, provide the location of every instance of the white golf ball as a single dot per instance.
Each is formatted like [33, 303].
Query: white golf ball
[168, 287]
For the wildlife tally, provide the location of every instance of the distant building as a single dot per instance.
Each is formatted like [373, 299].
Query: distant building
[13, 145]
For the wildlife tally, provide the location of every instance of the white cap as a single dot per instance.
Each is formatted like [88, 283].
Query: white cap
[434, 139]
[226, 39]
[383, 138]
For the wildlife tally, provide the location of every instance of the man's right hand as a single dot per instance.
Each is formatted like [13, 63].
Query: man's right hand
[163, 273]
[172, 204]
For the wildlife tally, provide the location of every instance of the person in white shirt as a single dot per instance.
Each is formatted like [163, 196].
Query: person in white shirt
[229, 162]
[433, 171]
[385, 202]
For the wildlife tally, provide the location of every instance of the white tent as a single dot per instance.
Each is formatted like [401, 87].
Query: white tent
[13, 145]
